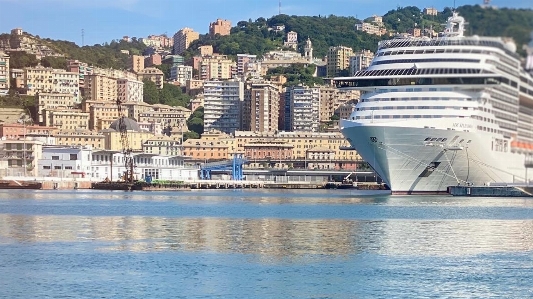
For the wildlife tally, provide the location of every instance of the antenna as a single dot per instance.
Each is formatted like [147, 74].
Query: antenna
[82, 37]
[279, 7]
[454, 5]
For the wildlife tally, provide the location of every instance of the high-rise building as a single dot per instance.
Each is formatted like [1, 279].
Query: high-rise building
[100, 88]
[136, 63]
[222, 27]
[223, 105]
[129, 90]
[81, 68]
[292, 40]
[242, 62]
[360, 61]
[338, 60]
[4, 73]
[181, 73]
[430, 11]
[183, 38]
[216, 67]
[302, 109]
[261, 107]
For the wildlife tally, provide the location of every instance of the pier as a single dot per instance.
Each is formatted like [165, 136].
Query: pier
[492, 191]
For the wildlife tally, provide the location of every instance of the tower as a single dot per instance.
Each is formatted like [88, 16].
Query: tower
[308, 50]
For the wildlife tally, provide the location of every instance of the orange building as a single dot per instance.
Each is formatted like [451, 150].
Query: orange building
[222, 27]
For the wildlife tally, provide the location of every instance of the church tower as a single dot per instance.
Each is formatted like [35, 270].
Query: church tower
[308, 50]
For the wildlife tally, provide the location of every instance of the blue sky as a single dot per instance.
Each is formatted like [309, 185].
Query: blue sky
[105, 20]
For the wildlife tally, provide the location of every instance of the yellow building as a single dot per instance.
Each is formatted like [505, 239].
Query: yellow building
[66, 119]
[338, 60]
[183, 38]
[136, 137]
[153, 74]
[100, 88]
[135, 108]
[162, 145]
[100, 110]
[222, 27]
[332, 98]
[52, 101]
[48, 80]
[136, 63]
[216, 67]
[93, 139]
[302, 142]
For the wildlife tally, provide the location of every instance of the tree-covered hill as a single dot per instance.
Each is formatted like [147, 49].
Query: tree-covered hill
[254, 37]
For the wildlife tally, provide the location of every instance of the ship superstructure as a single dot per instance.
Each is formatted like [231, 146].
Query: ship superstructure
[443, 111]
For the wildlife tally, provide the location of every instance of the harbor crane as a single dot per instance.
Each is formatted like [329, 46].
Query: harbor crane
[125, 144]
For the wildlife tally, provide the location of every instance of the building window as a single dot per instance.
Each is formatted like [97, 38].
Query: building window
[57, 167]
[68, 167]
[46, 167]
[73, 157]
[55, 157]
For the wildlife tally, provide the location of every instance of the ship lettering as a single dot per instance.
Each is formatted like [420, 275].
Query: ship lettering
[462, 125]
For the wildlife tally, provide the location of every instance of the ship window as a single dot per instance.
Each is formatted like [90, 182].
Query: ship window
[433, 139]
[427, 139]
[444, 139]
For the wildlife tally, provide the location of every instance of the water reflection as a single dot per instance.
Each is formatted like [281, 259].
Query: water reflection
[274, 238]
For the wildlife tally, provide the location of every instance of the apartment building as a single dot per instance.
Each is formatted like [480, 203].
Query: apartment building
[18, 78]
[430, 11]
[66, 119]
[261, 107]
[303, 143]
[40, 79]
[162, 145]
[22, 156]
[370, 28]
[183, 38]
[302, 109]
[82, 68]
[206, 50]
[338, 59]
[175, 119]
[216, 67]
[136, 63]
[292, 40]
[80, 137]
[100, 110]
[100, 88]
[242, 62]
[136, 136]
[154, 59]
[135, 108]
[52, 101]
[181, 73]
[332, 98]
[360, 60]
[4, 73]
[222, 27]
[153, 74]
[222, 105]
[129, 90]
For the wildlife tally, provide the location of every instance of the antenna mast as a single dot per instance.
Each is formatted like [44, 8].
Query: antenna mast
[279, 7]
[82, 37]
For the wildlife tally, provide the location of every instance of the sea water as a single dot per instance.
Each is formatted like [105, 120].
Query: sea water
[263, 244]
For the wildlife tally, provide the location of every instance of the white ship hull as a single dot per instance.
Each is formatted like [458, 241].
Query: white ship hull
[408, 164]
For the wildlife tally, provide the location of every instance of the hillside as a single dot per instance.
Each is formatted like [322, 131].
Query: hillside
[254, 37]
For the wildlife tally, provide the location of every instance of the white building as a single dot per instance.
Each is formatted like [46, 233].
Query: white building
[65, 162]
[4, 73]
[110, 164]
[67, 82]
[129, 90]
[302, 109]
[360, 61]
[181, 73]
[223, 105]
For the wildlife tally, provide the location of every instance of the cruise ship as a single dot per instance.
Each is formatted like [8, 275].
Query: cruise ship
[445, 111]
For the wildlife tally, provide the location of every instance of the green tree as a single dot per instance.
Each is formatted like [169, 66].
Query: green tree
[18, 60]
[150, 92]
[54, 62]
[195, 123]
[190, 135]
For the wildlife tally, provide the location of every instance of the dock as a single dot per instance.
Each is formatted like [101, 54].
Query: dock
[492, 191]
